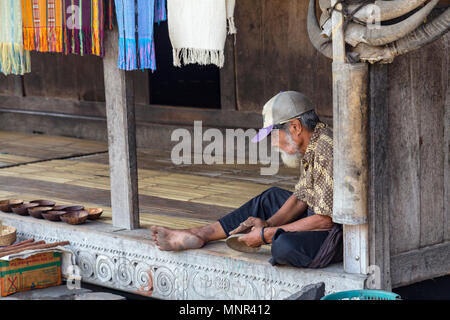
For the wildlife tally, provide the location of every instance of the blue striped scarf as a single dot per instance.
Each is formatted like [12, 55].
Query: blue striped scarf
[138, 53]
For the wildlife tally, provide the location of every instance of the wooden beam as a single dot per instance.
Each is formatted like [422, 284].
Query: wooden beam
[350, 143]
[145, 113]
[350, 162]
[421, 264]
[447, 158]
[379, 189]
[120, 117]
[350, 149]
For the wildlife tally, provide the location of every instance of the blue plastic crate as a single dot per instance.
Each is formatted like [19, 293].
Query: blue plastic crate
[363, 295]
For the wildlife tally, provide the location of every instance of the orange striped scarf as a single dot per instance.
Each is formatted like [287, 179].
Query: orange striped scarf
[42, 25]
[69, 26]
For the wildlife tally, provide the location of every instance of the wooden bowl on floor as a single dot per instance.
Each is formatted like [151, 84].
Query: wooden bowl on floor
[233, 242]
[44, 203]
[5, 205]
[38, 211]
[22, 209]
[74, 208]
[53, 215]
[75, 217]
[94, 213]
[60, 208]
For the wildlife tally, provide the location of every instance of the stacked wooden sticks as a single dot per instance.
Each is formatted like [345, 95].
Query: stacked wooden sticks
[29, 244]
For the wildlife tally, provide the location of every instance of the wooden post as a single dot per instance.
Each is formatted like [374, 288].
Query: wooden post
[18, 85]
[228, 78]
[379, 191]
[350, 162]
[121, 138]
[350, 150]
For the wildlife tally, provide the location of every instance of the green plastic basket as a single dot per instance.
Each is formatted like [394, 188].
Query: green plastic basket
[363, 295]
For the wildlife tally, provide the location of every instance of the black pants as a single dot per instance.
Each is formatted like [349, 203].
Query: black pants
[296, 249]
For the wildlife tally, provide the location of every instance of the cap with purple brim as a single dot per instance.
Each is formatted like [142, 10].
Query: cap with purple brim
[262, 134]
[280, 109]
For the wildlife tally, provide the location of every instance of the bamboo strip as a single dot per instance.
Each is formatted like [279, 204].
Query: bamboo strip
[36, 247]
[18, 244]
[23, 247]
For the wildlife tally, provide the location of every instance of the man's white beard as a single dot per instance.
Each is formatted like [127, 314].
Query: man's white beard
[291, 160]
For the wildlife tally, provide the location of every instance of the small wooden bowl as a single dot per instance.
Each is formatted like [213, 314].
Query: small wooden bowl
[60, 208]
[22, 209]
[53, 215]
[233, 242]
[74, 208]
[5, 205]
[75, 217]
[38, 211]
[94, 213]
[44, 203]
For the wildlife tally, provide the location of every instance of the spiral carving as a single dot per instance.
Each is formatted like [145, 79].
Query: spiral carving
[142, 277]
[104, 268]
[86, 262]
[124, 272]
[164, 280]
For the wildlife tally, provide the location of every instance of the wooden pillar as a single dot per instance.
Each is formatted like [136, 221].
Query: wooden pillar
[350, 150]
[121, 138]
[18, 85]
[350, 123]
[228, 77]
[379, 191]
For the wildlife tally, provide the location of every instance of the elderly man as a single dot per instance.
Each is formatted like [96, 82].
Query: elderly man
[297, 224]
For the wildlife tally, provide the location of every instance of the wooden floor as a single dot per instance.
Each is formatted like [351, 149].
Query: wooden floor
[74, 171]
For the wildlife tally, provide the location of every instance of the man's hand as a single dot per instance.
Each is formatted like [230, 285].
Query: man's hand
[249, 223]
[253, 238]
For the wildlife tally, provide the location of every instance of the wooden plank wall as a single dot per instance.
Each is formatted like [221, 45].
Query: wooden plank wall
[273, 54]
[69, 77]
[418, 147]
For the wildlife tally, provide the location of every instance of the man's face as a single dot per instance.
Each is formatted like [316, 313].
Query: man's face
[290, 151]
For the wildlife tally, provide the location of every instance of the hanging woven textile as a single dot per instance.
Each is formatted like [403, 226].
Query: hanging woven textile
[198, 30]
[137, 51]
[69, 26]
[42, 25]
[84, 27]
[109, 13]
[13, 58]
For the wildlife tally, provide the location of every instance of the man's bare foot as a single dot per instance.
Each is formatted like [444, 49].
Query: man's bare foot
[175, 240]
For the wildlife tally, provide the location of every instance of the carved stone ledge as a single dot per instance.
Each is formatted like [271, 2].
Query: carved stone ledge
[107, 258]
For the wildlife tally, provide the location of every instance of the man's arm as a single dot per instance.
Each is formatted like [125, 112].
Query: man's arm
[290, 210]
[315, 222]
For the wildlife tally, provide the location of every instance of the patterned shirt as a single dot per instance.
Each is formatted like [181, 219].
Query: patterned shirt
[315, 186]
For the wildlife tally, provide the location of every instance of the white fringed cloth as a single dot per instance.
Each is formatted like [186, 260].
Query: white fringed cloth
[198, 30]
